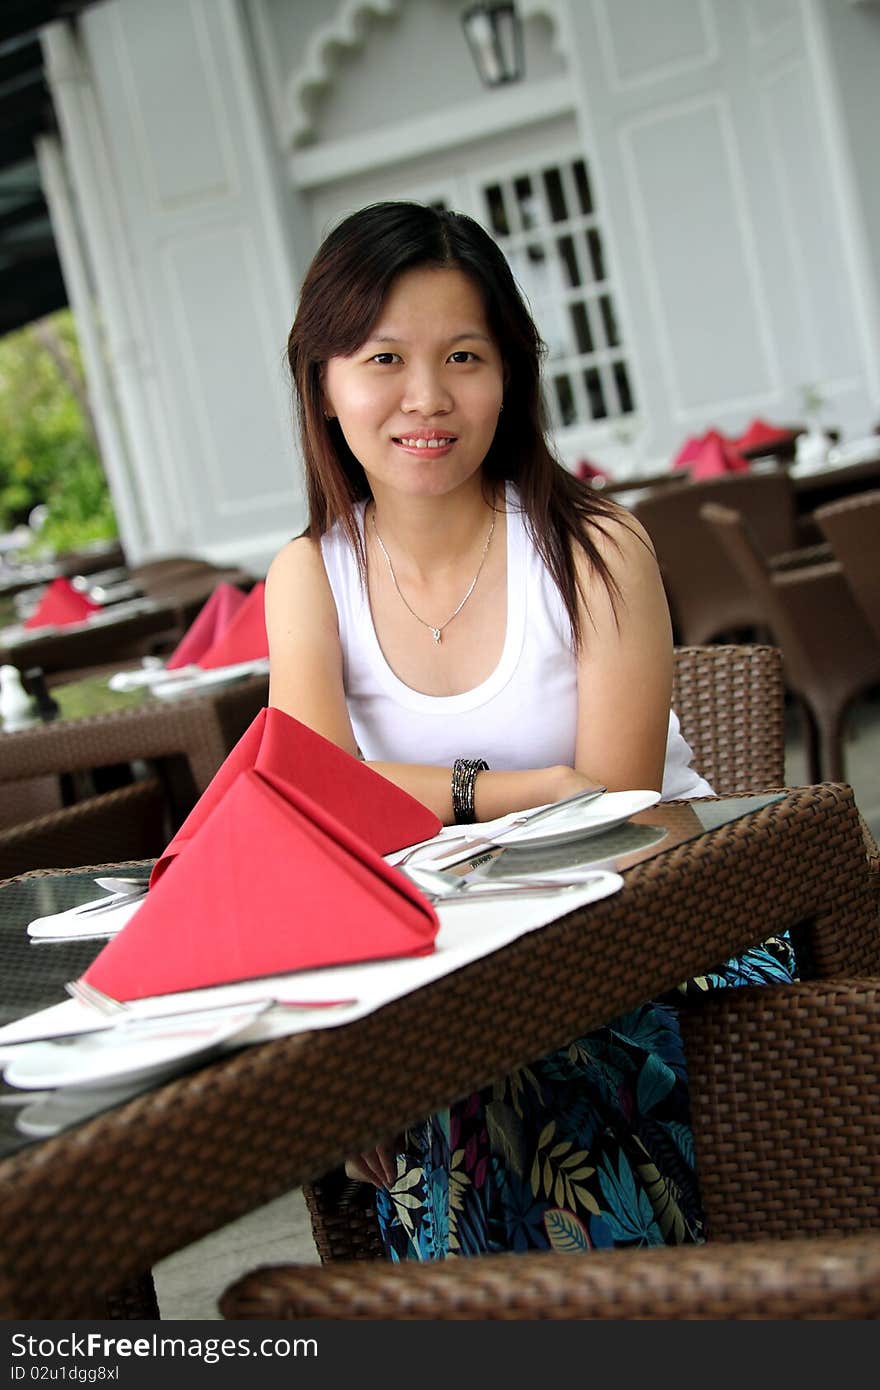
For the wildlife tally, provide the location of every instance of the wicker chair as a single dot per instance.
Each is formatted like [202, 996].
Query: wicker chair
[129, 823]
[830, 653]
[729, 701]
[805, 1243]
[852, 527]
[706, 595]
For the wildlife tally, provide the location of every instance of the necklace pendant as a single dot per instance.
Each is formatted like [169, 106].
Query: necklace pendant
[435, 633]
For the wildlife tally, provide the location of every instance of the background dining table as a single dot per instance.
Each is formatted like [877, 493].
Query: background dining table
[86, 1212]
[830, 484]
[189, 734]
[136, 630]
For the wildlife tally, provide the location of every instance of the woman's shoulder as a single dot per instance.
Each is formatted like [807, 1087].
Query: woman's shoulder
[620, 538]
[298, 567]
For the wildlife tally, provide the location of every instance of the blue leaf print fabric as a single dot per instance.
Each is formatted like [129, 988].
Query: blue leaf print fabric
[588, 1148]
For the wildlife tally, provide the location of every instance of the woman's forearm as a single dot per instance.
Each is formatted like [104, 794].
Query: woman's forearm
[495, 793]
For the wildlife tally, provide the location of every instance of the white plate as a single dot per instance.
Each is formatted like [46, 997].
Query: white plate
[172, 687]
[575, 822]
[133, 1051]
[61, 1109]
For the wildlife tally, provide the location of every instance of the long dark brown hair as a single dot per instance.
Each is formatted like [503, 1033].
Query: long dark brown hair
[341, 298]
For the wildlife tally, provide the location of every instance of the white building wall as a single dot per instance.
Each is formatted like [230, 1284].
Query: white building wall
[718, 174]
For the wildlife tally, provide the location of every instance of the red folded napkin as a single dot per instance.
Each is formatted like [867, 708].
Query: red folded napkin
[212, 621]
[61, 604]
[759, 433]
[689, 450]
[709, 456]
[307, 764]
[272, 884]
[245, 638]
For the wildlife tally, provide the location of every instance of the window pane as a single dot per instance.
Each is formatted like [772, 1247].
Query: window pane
[624, 394]
[569, 260]
[609, 322]
[597, 260]
[585, 197]
[598, 408]
[555, 195]
[527, 203]
[565, 399]
[496, 210]
[581, 323]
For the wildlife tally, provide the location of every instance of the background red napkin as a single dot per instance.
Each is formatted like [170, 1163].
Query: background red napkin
[296, 758]
[61, 604]
[760, 432]
[212, 621]
[245, 638]
[709, 455]
[271, 884]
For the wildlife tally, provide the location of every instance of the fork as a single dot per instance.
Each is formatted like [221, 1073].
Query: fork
[95, 998]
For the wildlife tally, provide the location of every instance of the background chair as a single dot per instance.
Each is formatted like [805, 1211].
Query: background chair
[831, 656]
[852, 527]
[126, 824]
[706, 595]
[789, 1175]
[837, 1278]
[730, 703]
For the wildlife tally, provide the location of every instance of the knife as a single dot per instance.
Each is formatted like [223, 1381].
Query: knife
[494, 844]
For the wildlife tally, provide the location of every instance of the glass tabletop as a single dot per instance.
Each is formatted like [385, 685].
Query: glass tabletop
[33, 973]
[645, 834]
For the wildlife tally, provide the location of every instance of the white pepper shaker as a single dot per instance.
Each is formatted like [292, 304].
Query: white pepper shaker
[16, 707]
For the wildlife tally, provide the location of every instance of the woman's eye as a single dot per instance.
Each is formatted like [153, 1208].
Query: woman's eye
[385, 359]
[463, 356]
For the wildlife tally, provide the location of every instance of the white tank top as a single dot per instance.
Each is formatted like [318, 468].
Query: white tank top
[523, 715]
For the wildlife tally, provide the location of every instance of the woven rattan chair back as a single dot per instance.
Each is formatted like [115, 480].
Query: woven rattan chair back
[852, 528]
[730, 701]
[830, 653]
[706, 595]
[789, 1175]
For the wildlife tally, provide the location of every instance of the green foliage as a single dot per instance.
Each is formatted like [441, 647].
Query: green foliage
[47, 450]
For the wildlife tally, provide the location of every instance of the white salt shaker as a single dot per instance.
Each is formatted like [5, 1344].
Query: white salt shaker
[16, 706]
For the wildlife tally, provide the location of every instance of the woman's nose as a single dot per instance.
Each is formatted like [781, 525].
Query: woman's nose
[425, 394]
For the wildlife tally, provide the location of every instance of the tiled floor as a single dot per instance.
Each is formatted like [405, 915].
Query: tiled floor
[190, 1281]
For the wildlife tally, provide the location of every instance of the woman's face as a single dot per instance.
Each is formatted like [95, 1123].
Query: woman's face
[418, 402]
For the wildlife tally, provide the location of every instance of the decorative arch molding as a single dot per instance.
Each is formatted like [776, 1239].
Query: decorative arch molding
[349, 29]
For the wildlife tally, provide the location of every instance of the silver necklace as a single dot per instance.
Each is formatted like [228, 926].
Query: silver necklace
[434, 629]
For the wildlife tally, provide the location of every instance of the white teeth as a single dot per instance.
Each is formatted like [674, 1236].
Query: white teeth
[426, 443]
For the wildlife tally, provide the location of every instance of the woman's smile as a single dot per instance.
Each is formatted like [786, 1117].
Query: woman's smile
[419, 441]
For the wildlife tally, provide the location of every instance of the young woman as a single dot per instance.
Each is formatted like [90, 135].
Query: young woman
[490, 635]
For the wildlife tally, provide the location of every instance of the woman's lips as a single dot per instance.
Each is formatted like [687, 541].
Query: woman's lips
[433, 445]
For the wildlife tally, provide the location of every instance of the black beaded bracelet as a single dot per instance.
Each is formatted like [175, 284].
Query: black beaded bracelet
[464, 775]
